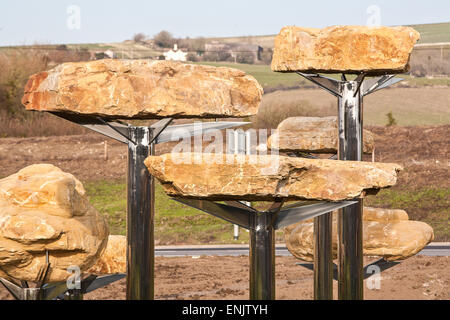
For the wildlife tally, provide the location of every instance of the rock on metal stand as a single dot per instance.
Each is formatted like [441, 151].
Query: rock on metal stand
[141, 142]
[56, 290]
[350, 241]
[262, 226]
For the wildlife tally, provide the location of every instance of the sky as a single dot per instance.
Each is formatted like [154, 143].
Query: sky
[26, 22]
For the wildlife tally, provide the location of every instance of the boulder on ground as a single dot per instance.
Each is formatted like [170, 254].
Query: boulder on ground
[43, 209]
[387, 233]
[114, 258]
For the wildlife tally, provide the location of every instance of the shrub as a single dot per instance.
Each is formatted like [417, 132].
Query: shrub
[391, 119]
[16, 66]
[266, 56]
[245, 57]
[139, 37]
[271, 113]
[218, 56]
[164, 39]
[192, 57]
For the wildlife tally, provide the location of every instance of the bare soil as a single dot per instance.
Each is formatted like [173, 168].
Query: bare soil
[220, 278]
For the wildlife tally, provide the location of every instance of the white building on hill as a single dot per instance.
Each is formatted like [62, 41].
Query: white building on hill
[175, 54]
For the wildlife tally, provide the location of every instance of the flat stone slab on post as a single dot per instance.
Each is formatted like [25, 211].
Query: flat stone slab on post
[344, 49]
[312, 135]
[143, 89]
[267, 177]
[43, 208]
[386, 232]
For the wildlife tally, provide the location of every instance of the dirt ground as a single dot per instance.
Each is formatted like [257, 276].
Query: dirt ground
[220, 278]
[424, 152]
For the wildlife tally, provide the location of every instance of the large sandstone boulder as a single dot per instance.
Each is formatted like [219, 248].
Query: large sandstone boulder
[386, 233]
[312, 135]
[43, 208]
[347, 49]
[267, 177]
[143, 89]
[114, 258]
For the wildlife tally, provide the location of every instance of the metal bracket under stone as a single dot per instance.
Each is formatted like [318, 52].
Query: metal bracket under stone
[58, 290]
[367, 86]
[162, 132]
[238, 213]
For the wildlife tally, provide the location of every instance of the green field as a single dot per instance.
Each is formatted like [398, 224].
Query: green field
[429, 33]
[268, 79]
[434, 32]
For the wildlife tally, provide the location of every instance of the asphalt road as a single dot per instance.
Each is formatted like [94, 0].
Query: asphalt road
[433, 249]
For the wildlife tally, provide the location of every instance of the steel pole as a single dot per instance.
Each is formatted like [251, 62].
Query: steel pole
[262, 256]
[323, 257]
[350, 240]
[140, 216]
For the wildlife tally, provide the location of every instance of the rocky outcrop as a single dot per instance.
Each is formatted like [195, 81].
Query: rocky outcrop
[386, 233]
[143, 89]
[44, 209]
[267, 177]
[346, 49]
[312, 135]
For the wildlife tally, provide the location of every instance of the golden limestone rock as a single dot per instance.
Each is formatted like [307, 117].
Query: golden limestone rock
[44, 209]
[144, 89]
[346, 49]
[114, 259]
[267, 177]
[387, 233]
[312, 135]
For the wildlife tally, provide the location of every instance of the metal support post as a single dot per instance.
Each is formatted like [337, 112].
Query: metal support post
[323, 257]
[350, 240]
[140, 217]
[350, 123]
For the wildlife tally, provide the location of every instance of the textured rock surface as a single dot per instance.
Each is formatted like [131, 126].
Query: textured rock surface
[349, 49]
[311, 134]
[114, 259]
[43, 208]
[240, 177]
[144, 89]
[386, 233]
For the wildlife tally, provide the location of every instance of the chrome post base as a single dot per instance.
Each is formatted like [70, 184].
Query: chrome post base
[350, 125]
[323, 257]
[262, 256]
